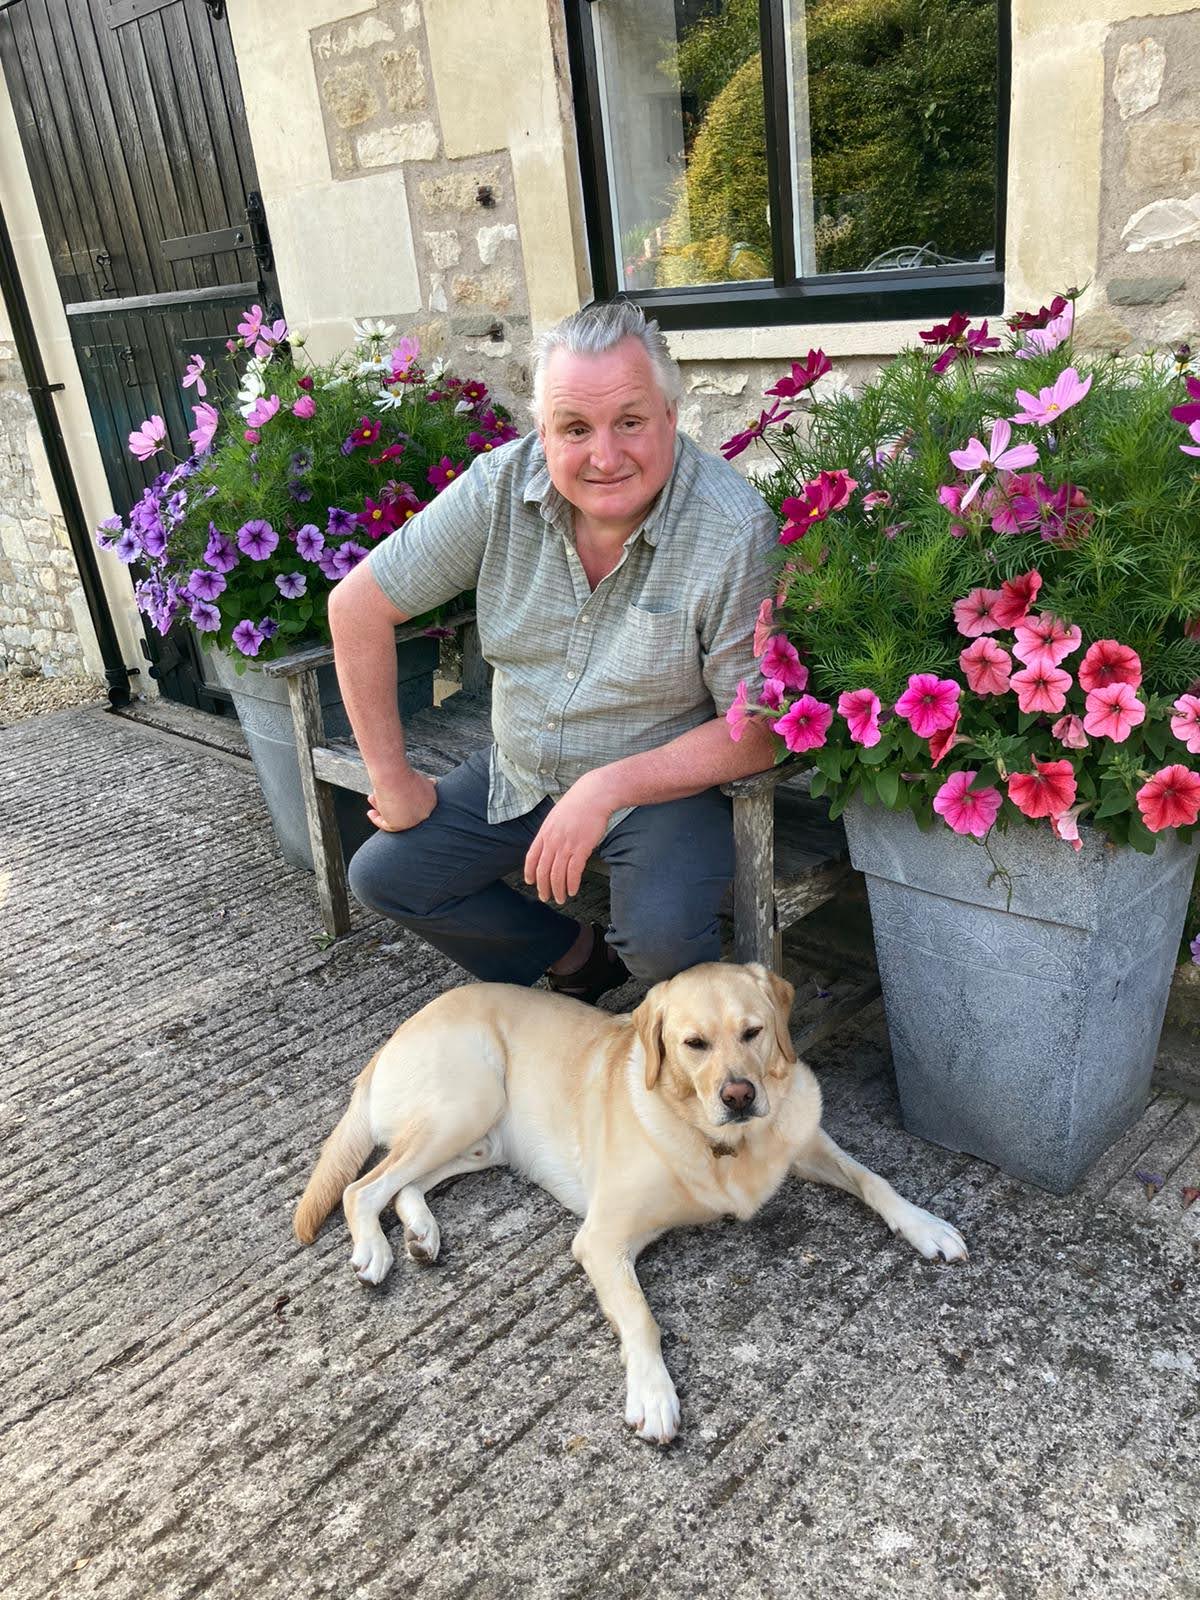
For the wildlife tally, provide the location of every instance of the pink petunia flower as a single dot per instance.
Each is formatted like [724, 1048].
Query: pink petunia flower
[1171, 799]
[975, 614]
[1044, 640]
[964, 808]
[942, 742]
[1109, 662]
[996, 457]
[929, 703]
[781, 659]
[147, 440]
[1067, 390]
[1065, 825]
[1048, 791]
[805, 725]
[1016, 598]
[771, 693]
[207, 421]
[802, 377]
[1068, 731]
[861, 708]
[738, 714]
[1113, 712]
[1041, 689]
[194, 376]
[762, 625]
[1185, 724]
[987, 667]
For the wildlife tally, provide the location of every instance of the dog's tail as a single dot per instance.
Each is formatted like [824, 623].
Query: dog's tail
[342, 1154]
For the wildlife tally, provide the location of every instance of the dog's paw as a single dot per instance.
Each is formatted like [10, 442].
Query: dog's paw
[372, 1260]
[651, 1405]
[423, 1242]
[931, 1236]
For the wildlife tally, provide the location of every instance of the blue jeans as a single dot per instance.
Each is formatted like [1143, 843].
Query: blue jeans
[670, 866]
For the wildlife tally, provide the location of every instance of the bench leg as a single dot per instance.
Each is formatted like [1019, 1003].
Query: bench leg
[756, 935]
[323, 833]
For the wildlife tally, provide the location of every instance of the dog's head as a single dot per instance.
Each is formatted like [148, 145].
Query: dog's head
[716, 1043]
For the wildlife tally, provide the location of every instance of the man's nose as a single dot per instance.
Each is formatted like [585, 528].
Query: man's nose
[606, 452]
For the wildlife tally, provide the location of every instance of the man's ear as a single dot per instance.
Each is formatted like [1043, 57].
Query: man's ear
[648, 1020]
[781, 994]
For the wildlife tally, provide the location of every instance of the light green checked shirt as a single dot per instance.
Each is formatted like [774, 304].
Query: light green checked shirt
[585, 677]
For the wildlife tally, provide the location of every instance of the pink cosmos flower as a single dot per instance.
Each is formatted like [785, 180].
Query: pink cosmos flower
[877, 499]
[805, 724]
[207, 421]
[269, 335]
[1044, 640]
[251, 435]
[1066, 825]
[803, 376]
[1113, 712]
[192, 375]
[305, 408]
[1067, 390]
[975, 615]
[987, 667]
[1171, 799]
[738, 715]
[1041, 689]
[1192, 449]
[762, 625]
[1185, 724]
[966, 809]
[1040, 341]
[250, 324]
[929, 703]
[261, 412]
[147, 440]
[1109, 662]
[995, 458]
[781, 659]
[1016, 597]
[1048, 791]
[950, 494]
[404, 354]
[1068, 731]
[942, 742]
[861, 708]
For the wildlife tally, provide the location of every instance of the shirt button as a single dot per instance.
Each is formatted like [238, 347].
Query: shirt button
[584, 618]
[570, 677]
[550, 725]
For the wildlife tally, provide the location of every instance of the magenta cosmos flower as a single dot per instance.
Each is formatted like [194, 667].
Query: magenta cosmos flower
[861, 708]
[781, 659]
[827, 492]
[929, 703]
[975, 614]
[1042, 688]
[1047, 791]
[804, 725]
[755, 430]
[1109, 662]
[1185, 724]
[802, 376]
[964, 808]
[986, 666]
[147, 440]
[1045, 641]
[961, 341]
[1189, 412]
[1171, 799]
[444, 473]
[1045, 408]
[997, 457]
[1113, 712]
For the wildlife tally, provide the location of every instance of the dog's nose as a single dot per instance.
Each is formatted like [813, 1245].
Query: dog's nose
[738, 1095]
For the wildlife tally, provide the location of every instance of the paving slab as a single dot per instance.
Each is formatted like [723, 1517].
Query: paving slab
[193, 1406]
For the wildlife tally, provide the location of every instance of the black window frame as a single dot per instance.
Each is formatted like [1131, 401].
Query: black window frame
[889, 295]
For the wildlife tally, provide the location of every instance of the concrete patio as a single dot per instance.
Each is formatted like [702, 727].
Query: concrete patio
[194, 1406]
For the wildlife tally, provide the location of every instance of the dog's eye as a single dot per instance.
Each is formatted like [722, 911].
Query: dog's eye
[752, 1033]
[696, 1044]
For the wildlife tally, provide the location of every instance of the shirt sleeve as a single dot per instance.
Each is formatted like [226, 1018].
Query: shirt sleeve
[438, 553]
[727, 630]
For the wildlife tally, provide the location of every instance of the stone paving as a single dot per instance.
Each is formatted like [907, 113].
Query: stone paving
[193, 1406]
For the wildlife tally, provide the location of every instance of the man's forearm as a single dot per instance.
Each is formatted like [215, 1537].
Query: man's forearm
[365, 656]
[699, 759]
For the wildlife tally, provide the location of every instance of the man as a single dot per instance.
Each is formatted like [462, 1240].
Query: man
[618, 571]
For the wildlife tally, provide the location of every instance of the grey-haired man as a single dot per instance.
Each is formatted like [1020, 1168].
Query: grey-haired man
[618, 570]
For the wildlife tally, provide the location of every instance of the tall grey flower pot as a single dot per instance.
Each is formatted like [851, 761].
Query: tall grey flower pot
[1024, 984]
[265, 715]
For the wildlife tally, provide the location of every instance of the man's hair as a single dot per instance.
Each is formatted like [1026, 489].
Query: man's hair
[600, 327]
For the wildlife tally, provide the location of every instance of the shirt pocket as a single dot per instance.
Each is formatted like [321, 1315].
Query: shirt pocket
[654, 655]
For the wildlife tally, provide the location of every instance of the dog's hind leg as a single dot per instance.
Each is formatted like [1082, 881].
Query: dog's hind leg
[422, 1237]
[823, 1161]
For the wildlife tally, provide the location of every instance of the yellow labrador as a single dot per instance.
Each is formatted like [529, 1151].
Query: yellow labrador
[692, 1108]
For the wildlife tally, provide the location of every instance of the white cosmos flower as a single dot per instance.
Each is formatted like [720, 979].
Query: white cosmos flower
[252, 389]
[373, 367]
[370, 331]
[391, 398]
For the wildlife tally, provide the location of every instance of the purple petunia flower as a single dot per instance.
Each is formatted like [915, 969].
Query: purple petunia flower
[327, 561]
[205, 617]
[154, 538]
[257, 539]
[268, 627]
[291, 585]
[310, 541]
[299, 492]
[177, 504]
[347, 557]
[128, 547]
[301, 461]
[248, 638]
[340, 522]
[219, 552]
[205, 585]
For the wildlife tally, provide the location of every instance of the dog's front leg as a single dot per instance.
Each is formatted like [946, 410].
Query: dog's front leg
[651, 1404]
[823, 1161]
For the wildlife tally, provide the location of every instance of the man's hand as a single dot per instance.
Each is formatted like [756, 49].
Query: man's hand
[405, 799]
[566, 839]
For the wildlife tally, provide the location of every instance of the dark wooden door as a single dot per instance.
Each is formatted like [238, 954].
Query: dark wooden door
[134, 130]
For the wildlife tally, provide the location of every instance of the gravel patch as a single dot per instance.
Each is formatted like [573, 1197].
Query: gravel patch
[22, 696]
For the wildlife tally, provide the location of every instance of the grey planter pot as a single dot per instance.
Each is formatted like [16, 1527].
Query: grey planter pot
[1023, 1029]
[265, 715]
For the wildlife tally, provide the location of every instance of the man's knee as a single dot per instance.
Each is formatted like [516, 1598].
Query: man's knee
[385, 876]
[657, 941]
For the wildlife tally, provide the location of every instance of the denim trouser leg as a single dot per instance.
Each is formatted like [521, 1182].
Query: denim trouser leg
[670, 863]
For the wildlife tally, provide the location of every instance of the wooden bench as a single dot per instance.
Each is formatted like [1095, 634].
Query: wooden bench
[789, 858]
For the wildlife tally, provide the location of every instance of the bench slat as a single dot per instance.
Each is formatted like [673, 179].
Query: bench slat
[321, 655]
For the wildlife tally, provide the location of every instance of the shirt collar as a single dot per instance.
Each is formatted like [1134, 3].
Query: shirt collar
[556, 509]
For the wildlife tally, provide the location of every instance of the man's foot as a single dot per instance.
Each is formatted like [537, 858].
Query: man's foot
[602, 970]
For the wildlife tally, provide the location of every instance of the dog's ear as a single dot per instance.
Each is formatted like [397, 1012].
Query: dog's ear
[648, 1020]
[781, 994]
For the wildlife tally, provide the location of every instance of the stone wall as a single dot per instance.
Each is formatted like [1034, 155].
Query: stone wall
[40, 594]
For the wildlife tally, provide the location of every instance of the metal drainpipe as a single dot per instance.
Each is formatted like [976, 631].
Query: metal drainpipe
[41, 393]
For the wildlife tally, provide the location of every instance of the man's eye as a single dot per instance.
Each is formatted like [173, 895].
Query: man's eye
[696, 1044]
[751, 1033]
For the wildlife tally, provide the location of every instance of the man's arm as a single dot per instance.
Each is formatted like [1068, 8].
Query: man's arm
[362, 621]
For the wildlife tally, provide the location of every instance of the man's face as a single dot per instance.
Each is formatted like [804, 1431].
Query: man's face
[608, 432]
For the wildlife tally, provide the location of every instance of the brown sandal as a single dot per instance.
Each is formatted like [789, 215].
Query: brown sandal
[603, 970]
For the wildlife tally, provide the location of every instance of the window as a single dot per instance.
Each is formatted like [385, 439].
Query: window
[758, 161]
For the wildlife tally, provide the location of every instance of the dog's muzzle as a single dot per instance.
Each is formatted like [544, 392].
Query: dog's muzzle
[739, 1097]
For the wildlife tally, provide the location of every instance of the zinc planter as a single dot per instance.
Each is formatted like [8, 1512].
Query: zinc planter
[1024, 984]
[265, 716]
